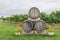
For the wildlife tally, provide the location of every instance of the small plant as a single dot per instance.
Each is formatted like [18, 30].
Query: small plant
[18, 31]
[50, 30]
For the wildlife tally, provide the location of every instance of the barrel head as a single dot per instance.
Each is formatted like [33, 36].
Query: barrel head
[27, 26]
[40, 26]
[34, 12]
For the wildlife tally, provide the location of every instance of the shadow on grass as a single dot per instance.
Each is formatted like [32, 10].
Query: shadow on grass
[34, 35]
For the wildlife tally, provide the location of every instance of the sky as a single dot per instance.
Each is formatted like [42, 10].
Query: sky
[10, 7]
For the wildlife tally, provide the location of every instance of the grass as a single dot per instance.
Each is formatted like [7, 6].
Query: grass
[7, 33]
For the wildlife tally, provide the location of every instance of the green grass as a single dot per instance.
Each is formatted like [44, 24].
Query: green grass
[7, 33]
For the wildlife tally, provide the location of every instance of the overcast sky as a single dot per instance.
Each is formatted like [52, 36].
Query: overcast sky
[9, 7]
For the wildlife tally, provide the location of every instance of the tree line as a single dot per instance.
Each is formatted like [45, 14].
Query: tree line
[53, 17]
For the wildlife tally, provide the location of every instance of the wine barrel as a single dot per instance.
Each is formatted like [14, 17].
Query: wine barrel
[34, 13]
[40, 26]
[27, 26]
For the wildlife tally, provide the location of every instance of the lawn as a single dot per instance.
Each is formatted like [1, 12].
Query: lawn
[7, 33]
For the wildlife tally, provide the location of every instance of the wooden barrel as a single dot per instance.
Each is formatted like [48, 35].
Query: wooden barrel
[34, 12]
[40, 26]
[27, 26]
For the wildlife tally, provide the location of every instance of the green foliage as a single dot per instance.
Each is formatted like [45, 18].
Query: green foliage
[58, 16]
[44, 16]
[2, 18]
[17, 18]
[7, 32]
[23, 17]
[54, 17]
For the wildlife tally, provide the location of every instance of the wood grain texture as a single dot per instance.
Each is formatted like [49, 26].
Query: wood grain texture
[27, 26]
[40, 26]
[34, 12]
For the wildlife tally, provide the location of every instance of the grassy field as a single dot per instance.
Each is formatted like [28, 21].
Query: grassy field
[7, 33]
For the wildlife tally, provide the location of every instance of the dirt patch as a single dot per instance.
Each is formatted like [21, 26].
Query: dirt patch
[20, 24]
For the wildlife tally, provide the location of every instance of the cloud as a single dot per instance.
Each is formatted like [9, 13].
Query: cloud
[9, 7]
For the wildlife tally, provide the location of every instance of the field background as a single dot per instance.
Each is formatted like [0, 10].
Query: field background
[7, 31]
[8, 26]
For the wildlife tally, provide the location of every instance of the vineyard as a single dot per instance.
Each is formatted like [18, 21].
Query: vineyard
[9, 24]
[7, 31]
[54, 17]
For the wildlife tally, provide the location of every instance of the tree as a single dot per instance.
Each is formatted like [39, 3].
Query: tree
[23, 17]
[44, 16]
[55, 16]
[58, 16]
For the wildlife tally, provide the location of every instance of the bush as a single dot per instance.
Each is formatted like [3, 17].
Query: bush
[54, 17]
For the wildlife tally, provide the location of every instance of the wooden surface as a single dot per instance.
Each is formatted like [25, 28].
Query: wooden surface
[27, 26]
[34, 12]
[40, 26]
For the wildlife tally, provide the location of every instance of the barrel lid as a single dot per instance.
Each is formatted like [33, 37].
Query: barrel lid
[34, 12]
